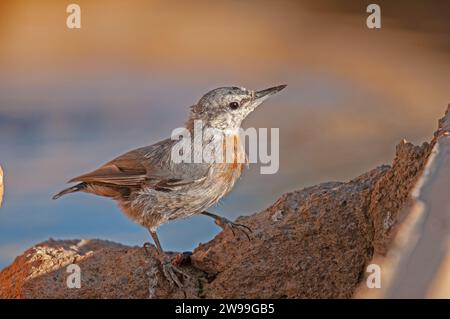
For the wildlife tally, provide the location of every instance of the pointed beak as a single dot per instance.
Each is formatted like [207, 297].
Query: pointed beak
[262, 95]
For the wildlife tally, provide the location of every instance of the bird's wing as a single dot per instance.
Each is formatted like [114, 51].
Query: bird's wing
[125, 170]
[143, 166]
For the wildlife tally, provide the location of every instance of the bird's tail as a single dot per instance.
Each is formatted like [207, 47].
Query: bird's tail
[72, 189]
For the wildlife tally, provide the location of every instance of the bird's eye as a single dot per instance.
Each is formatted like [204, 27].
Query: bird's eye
[234, 105]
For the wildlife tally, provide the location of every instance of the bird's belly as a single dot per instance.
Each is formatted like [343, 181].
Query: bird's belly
[152, 208]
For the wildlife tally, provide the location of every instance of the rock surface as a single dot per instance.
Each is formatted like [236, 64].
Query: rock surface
[417, 263]
[312, 243]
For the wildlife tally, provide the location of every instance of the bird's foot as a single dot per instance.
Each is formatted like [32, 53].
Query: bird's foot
[171, 272]
[235, 227]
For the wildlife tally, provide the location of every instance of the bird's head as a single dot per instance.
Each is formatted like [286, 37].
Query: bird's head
[225, 108]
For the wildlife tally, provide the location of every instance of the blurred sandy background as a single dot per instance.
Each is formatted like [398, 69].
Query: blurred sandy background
[72, 99]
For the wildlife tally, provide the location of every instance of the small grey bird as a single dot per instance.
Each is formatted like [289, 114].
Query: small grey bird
[152, 189]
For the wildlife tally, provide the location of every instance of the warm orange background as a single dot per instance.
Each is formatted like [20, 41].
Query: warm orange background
[72, 99]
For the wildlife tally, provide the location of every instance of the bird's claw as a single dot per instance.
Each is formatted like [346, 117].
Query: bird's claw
[225, 223]
[170, 272]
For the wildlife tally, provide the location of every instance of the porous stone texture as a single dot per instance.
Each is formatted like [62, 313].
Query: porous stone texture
[312, 243]
[108, 270]
[390, 196]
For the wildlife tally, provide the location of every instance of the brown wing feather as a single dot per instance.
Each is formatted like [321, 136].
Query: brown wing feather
[125, 170]
[140, 166]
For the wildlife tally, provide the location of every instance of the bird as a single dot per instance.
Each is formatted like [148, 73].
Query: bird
[151, 188]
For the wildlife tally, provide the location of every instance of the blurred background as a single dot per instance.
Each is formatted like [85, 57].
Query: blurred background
[71, 100]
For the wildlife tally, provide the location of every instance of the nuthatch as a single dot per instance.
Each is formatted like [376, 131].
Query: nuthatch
[152, 189]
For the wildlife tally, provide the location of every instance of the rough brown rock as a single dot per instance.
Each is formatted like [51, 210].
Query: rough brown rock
[417, 262]
[391, 193]
[108, 270]
[312, 243]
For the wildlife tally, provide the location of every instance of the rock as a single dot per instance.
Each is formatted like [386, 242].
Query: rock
[318, 247]
[312, 243]
[417, 263]
[108, 270]
[391, 193]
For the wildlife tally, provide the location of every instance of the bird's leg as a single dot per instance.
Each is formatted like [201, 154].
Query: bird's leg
[226, 223]
[169, 270]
